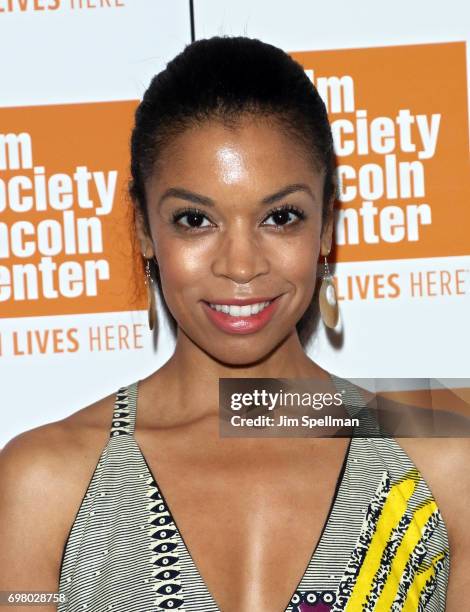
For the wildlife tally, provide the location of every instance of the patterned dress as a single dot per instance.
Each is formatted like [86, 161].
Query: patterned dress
[383, 547]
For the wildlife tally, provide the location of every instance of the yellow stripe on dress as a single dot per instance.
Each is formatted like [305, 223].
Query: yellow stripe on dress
[393, 510]
[410, 539]
[425, 573]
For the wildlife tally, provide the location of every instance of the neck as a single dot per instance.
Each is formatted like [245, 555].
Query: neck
[191, 376]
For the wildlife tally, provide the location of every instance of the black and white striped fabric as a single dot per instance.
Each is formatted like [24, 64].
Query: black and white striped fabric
[384, 545]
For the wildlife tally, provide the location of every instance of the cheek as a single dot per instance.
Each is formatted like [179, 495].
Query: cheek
[183, 267]
[296, 259]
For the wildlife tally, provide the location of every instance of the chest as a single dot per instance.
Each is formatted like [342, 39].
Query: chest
[250, 517]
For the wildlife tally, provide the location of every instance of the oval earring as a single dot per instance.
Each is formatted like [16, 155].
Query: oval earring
[327, 298]
[152, 310]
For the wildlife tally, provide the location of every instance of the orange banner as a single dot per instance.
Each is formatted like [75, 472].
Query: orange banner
[66, 221]
[400, 122]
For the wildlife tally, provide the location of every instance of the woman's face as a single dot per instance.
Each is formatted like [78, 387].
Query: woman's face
[235, 216]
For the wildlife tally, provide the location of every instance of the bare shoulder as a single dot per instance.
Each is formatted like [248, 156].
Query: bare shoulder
[44, 473]
[46, 450]
[443, 463]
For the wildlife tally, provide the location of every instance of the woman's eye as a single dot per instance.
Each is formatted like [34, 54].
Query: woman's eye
[285, 216]
[193, 220]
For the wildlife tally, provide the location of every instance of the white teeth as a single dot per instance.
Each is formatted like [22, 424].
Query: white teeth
[240, 311]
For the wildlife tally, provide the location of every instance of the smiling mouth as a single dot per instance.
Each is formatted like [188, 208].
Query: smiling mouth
[247, 310]
[245, 316]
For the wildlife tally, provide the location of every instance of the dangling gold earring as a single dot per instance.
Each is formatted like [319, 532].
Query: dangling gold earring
[152, 311]
[328, 300]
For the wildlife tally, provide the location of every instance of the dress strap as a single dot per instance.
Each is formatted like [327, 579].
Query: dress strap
[357, 407]
[354, 400]
[124, 415]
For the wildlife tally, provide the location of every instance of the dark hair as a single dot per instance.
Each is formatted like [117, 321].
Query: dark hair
[226, 78]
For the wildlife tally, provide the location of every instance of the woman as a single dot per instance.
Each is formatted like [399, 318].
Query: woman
[136, 502]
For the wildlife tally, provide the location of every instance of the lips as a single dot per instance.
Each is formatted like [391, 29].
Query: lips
[239, 322]
[240, 311]
[242, 301]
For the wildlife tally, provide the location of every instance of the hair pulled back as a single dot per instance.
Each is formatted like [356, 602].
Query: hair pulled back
[226, 78]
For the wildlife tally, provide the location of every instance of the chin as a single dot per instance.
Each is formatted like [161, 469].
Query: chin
[242, 359]
[246, 353]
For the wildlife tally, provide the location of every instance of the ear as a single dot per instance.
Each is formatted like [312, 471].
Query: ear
[146, 244]
[327, 230]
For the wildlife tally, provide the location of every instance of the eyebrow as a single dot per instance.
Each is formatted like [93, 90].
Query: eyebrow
[196, 198]
[279, 195]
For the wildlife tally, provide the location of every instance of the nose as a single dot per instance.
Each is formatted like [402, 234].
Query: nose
[240, 256]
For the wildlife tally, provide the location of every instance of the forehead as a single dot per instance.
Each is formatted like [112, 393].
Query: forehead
[255, 155]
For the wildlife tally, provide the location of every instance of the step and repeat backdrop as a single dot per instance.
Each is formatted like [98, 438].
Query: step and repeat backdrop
[394, 78]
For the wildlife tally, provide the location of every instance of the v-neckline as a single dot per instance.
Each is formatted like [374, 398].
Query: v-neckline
[334, 501]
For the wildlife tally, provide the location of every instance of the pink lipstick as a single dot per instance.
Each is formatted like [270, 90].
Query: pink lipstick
[236, 322]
